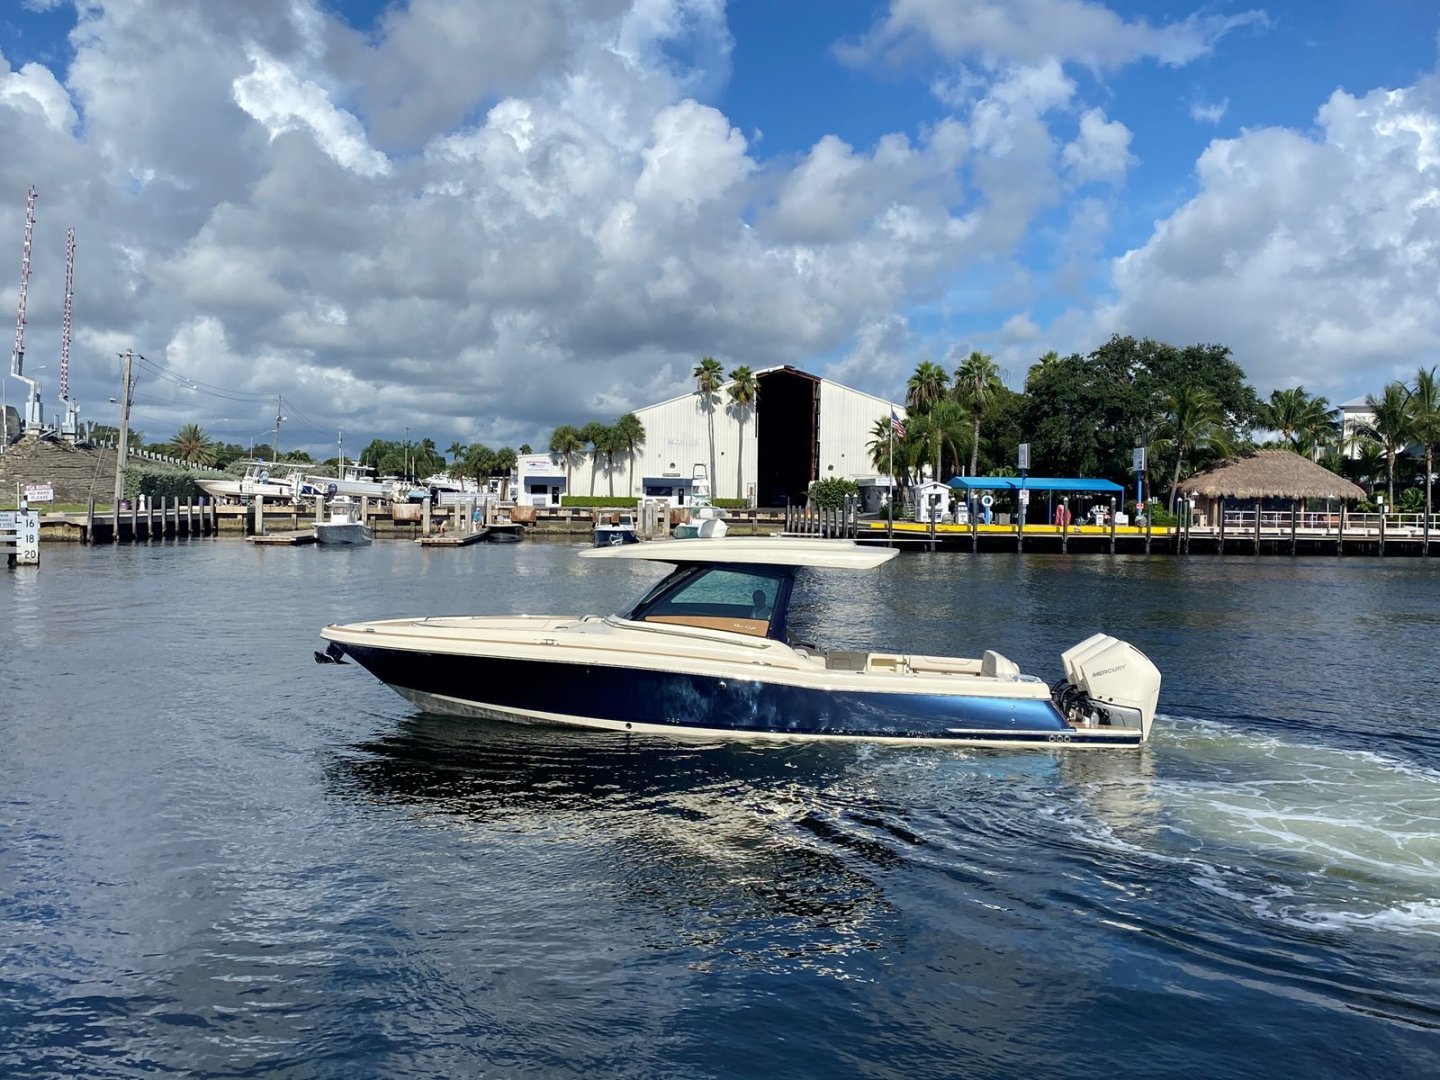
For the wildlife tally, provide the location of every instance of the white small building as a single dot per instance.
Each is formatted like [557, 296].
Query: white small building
[539, 479]
[1355, 416]
[931, 502]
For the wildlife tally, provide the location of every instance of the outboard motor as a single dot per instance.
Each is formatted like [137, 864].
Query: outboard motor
[1108, 682]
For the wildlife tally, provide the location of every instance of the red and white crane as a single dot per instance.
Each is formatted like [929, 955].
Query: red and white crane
[34, 411]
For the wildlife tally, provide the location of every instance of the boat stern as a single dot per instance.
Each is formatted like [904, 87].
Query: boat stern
[1109, 682]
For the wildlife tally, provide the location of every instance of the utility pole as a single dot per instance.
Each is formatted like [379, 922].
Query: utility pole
[279, 407]
[127, 356]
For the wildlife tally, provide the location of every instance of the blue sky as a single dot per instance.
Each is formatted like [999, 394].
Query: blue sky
[503, 217]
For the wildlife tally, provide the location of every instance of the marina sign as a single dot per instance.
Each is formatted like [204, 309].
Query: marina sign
[39, 493]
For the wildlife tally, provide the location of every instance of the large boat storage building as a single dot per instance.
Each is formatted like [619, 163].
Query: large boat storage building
[801, 428]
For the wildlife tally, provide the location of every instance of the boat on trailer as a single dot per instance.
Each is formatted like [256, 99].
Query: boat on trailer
[705, 652]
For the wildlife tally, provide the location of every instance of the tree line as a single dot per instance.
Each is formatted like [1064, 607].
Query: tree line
[1188, 406]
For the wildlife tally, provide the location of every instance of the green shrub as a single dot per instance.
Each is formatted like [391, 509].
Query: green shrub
[830, 493]
[163, 482]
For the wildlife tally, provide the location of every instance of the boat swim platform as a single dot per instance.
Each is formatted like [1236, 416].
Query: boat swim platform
[292, 539]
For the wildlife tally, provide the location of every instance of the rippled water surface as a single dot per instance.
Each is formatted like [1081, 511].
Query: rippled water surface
[218, 858]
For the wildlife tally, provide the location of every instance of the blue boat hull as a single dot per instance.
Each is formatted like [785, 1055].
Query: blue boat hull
[641, 699]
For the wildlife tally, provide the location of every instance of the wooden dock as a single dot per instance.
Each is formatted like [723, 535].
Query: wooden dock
[455, 540]
[293, 539]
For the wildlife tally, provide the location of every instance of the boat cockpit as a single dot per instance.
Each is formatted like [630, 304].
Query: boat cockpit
[739, 599]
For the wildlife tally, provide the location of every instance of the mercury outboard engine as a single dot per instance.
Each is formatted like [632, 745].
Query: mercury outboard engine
[1110, 683]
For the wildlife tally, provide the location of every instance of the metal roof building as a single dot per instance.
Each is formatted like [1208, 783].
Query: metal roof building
[801, 428]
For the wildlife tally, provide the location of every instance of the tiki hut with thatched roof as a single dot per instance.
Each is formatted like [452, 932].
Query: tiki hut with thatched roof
[1267, 474]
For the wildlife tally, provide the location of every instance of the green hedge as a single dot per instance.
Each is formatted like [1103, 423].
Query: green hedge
[162, 482]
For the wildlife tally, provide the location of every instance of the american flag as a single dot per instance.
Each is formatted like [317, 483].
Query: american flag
[896, 424]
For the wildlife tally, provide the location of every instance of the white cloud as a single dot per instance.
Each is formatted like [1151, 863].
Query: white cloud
[1311, 255]
[1101, 151]
[34, 88]
[1003, 32]
[1209, 112]
[282, 102]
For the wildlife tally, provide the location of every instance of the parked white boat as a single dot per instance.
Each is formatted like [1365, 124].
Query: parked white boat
[620, 531]
[706, 653]
[356, 480]
[343, 523]
[259, 478]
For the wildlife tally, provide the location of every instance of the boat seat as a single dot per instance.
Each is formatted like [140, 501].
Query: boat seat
[846, 660]
[995, 666]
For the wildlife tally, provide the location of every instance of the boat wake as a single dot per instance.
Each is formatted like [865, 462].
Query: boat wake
[1317, 837]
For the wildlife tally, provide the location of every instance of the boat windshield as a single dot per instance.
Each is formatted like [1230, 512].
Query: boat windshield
[740, 599]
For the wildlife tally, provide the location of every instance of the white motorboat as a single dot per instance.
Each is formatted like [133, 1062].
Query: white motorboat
[343, 523]
[620, 531]
[257, 479]
[355, 480]
[705, 652]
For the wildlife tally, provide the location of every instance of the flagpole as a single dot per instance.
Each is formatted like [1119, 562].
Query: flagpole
[890, 510]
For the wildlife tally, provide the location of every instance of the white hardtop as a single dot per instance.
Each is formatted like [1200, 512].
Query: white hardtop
[755, 550]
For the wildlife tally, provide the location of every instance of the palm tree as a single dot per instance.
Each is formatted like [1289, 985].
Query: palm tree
[426, 459]
[744, 392]
[977, 381]
[193, 445]
[1389, 426]
[944, 426]
[566, 441]
[457, 448]
[1319, 427]
[505, 461]
[1425, 429]
[1190, 418]
[631, 433]
[709, 377]
[594, 433]
[1286, 412]
[924, 391]
[926, 387]
[478, 461]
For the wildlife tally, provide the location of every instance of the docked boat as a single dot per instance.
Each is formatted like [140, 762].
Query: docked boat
[703, 522]
[502, 529]
[343, 523]
[706, 652]
[354, 480]
[620, 531]
[287, 482]
[704, 519]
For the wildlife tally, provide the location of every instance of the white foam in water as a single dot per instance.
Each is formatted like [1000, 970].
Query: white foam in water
[1314, 836]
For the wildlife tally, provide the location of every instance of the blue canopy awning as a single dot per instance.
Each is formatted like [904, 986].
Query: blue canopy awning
[1035, 483]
